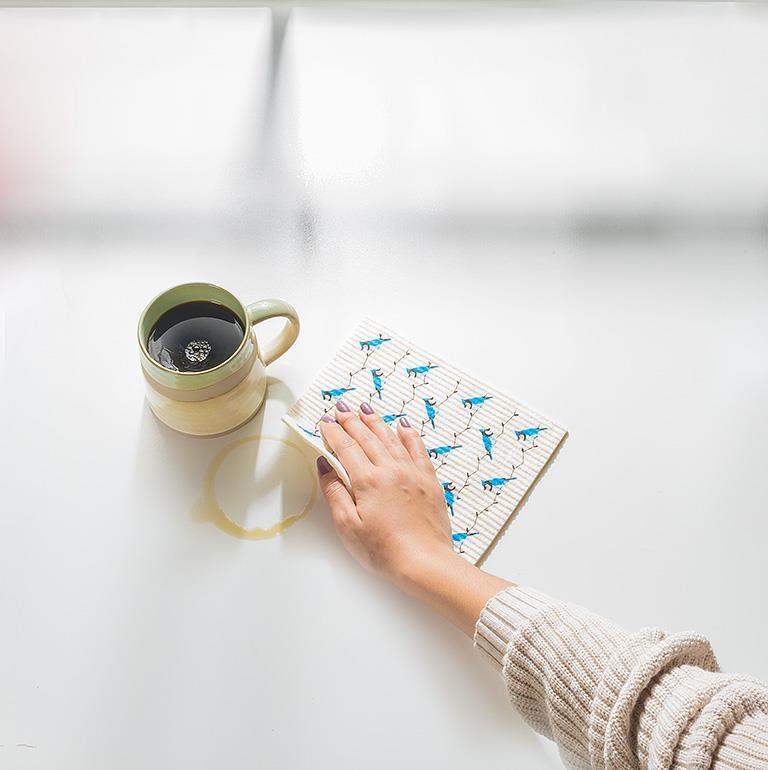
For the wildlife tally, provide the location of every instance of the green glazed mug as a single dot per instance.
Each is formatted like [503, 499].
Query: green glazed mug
[220, 399]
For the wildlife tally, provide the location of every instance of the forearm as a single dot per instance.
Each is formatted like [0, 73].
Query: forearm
[605, 695]
[449, 585]
[611, 698]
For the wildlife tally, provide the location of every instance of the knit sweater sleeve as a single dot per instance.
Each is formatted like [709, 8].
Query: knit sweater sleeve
[614, 699]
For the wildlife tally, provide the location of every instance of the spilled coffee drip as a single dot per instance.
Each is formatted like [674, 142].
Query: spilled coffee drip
[195, 336]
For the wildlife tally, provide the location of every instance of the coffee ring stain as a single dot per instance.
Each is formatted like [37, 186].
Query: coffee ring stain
[209, 509]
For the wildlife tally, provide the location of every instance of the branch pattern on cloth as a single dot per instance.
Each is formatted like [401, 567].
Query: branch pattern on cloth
[425, 407]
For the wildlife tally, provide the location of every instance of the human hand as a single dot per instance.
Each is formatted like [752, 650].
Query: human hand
[395, 520]
[396, 514]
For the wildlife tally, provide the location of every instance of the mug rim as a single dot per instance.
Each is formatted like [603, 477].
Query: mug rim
[157, 364]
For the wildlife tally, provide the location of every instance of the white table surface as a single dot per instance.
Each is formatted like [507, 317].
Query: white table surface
[584, 191]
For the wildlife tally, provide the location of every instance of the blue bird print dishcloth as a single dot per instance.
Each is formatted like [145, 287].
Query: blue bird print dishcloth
[488, 449]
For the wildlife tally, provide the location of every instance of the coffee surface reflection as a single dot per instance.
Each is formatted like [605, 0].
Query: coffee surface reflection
[195, 336]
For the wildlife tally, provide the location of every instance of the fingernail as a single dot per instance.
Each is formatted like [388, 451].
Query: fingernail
[326, 418]
[366, 408]
[323, 466]
[404, 422]
[342, 405]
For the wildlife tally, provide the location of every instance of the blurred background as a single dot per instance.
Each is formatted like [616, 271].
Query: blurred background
[182, 124]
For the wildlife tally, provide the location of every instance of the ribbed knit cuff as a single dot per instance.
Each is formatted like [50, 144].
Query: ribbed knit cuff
[746, 746]
[670, 712]
[503, 616]
[614, 699]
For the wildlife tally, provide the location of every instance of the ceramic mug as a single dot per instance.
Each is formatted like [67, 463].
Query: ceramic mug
[220, 399]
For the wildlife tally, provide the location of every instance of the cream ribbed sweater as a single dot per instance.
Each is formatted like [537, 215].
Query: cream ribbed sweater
[613, 699]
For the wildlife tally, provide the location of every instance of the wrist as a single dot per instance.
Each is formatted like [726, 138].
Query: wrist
[418, 571]
[449, 584]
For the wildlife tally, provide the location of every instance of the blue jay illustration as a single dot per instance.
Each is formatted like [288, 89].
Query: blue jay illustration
[475, 401]
[441, 450]
[429, 405]
[448, 490]
[486, 433]
[393, 417]
[499, 481]
[527, 433]
[415, 370]
[371, 344]
[335, 393]
[309, 432]
[457, 537]
[378, 383]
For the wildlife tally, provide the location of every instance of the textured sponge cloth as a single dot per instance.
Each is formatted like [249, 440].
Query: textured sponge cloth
[487, 449]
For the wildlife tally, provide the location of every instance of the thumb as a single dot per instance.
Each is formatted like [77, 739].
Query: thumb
[339, 500]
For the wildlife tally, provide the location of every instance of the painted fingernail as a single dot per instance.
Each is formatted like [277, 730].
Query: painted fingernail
[326, 418]
[404, 422]
[342, 405]
[323, 466]
[366, 408]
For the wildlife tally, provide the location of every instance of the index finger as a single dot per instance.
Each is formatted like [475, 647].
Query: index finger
[349, 452]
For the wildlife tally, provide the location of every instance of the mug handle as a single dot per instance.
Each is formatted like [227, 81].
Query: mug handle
[275, 308]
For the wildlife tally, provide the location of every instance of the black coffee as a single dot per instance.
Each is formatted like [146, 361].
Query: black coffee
[195, 336]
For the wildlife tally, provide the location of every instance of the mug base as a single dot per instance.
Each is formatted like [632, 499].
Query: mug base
[214, 416]
[209, 435]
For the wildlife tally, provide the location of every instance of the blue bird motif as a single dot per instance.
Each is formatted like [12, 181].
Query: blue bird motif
[415, 370]
[499, 481]
[378, 382]
[429, 405]
[475, 401]
[448, 491]
[441, 450]
[335, 393]
[486, 433]
[527, 433]
[458, 537]
[309, 432]
[374, 343]
[393, 417]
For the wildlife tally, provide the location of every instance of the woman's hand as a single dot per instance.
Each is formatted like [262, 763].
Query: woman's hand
[398, 512]
[395, 520]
